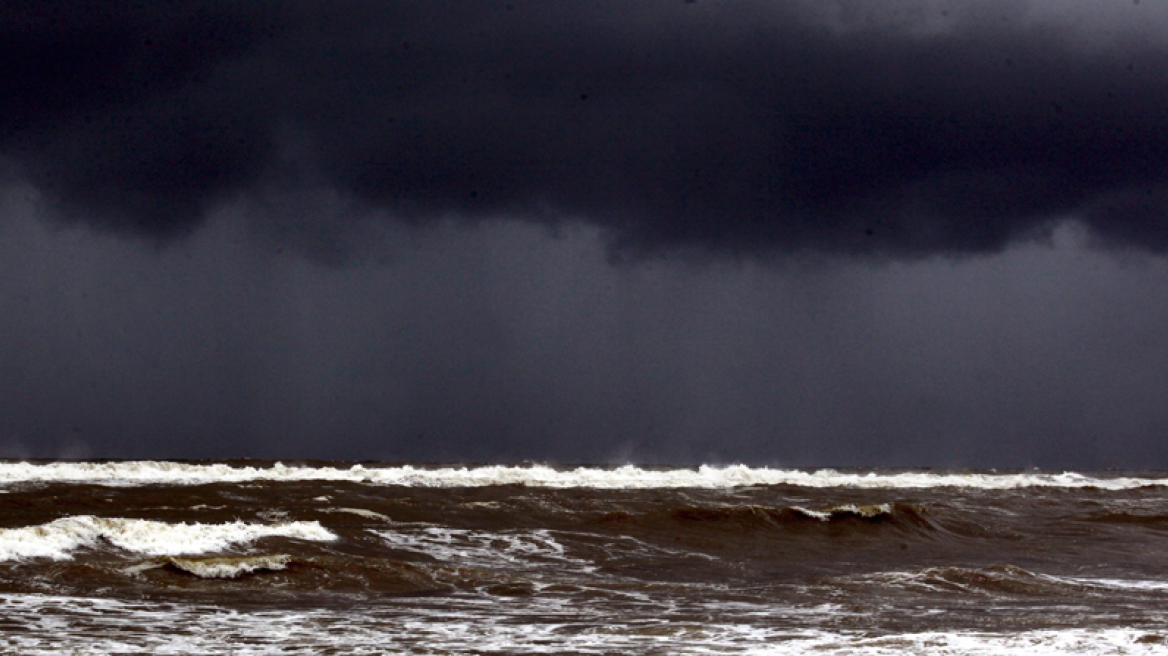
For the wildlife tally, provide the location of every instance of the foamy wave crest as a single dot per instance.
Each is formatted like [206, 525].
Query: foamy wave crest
[847, 510]
[59, 538]
[230, 568]
[626, 477]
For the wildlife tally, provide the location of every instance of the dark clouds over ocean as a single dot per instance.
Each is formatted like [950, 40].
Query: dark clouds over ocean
[903, 128]
[867, 232]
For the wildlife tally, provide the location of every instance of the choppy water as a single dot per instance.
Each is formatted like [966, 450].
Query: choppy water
[261, 558]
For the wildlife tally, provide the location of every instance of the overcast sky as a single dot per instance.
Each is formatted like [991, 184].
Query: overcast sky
[785, 233]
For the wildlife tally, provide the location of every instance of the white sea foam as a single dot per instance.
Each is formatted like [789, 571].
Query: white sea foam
[626, 477]
[54, 625]
[60, 538]
[848, 509]
[230, 568]
[510, 550]
[986, 581]
[1124, 584]
[362, 512]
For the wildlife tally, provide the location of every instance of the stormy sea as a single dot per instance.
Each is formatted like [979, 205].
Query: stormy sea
[251, 557]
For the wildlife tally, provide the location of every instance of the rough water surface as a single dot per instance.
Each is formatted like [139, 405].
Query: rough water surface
[266, 558]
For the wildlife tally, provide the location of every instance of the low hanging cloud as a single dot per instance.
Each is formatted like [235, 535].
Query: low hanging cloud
[907, 129]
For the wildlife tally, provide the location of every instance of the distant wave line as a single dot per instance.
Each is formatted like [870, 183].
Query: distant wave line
[146, 472]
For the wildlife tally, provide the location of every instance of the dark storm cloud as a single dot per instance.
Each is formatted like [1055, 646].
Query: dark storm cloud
[729, 126]
[495, 343]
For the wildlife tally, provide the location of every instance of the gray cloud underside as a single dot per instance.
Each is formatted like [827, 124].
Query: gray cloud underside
[733, 127]
[495, 343]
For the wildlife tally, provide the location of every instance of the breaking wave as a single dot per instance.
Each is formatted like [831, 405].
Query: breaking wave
[1001, 579]
[60, 538]
[625, 477]
[229, 567]
[719, 522]
[1005, 580]
[760, 516]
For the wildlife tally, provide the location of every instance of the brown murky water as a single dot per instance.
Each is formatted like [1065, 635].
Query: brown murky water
[295, 561]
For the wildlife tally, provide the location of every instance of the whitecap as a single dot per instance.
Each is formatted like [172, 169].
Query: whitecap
[58, 539]
[230, 567]
[361, 512]
[625, 477]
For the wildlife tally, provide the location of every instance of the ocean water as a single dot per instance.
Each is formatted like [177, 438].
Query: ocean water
[330, 558]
